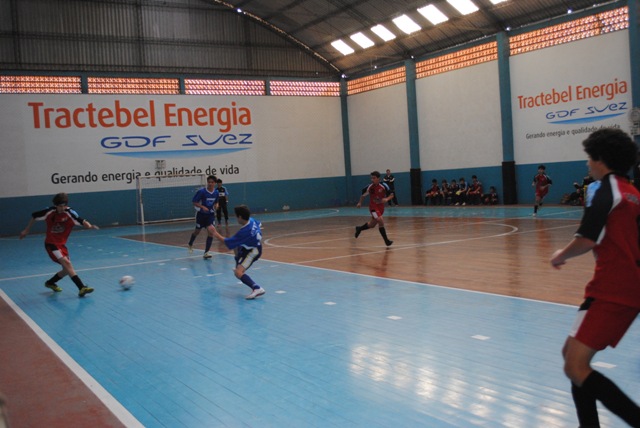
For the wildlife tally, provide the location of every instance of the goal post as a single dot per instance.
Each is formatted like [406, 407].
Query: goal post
[162, 198]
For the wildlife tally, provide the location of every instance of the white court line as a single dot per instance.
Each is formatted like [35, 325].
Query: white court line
[102, 394]
[146, 262]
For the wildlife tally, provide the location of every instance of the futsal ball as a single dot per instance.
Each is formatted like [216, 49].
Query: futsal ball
[126, 282]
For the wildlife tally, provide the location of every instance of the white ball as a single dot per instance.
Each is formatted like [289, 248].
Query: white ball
[127, 281]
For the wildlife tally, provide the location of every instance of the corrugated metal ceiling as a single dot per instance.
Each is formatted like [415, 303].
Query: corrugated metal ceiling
[317, 23]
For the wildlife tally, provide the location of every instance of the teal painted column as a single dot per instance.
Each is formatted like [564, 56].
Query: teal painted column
[509, 186]
[414, 137]
[346, 142]
[412, 113]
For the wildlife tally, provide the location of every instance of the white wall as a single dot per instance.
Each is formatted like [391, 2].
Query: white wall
[459, 118]
[379, 130]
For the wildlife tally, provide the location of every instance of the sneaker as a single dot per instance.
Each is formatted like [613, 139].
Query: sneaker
[190, 249]
[85, 290]
[534, 215]
[256, 293]
[52, 286]
[207, 255]
[388, 243]
[358, 230]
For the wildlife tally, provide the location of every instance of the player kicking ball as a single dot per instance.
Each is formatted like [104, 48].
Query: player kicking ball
[60, 220]
[247, 246]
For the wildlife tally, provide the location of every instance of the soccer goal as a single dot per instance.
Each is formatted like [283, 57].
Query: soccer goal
[167, 198]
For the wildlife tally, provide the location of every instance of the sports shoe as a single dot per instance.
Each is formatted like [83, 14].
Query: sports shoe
[358, 230]
[207, 255]
[52, 286]
[85, 290]
[190, 249]
[256, 293]
[388, 243]
[534, 215]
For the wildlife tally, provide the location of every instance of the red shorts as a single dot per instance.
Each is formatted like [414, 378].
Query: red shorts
[56, 251]
[541, 193]
[600, 324]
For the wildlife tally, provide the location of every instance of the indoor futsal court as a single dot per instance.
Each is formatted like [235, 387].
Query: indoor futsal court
[459, 323]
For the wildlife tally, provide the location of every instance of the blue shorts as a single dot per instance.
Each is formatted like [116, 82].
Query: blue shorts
[205, 220]
[246, 256]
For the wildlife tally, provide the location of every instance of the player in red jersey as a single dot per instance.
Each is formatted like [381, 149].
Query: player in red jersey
[541, 183]
[609, 227]
[379, 194]
[60, 220]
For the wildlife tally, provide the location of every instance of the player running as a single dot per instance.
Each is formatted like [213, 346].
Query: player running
[541, 182]
[379, 194]
[206, 201]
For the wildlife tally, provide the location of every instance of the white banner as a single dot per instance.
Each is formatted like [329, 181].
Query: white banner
[89, 143]
[582, 86]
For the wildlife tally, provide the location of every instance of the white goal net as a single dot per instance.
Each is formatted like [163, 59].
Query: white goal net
[167, 198]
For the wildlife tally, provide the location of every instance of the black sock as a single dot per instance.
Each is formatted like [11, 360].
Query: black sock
[608, 393]
[55, 278]
[383, 232]
[364, 226]
[193, 238]
[535, 209]
[77, 281]
[585, 407]
[208, 244]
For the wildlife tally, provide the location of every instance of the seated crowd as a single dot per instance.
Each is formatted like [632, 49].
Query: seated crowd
[460, 193]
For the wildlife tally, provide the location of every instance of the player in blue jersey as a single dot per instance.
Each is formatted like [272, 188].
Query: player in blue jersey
[205, 201]
[247, 246]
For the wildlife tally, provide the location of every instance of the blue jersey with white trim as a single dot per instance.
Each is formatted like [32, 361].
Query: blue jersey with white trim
[206, 198]
[249, 236]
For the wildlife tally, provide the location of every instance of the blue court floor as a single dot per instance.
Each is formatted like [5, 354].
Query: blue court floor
[322, 348]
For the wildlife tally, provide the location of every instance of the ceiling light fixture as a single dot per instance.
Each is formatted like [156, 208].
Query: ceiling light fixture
[382, 32]
[406, 24]
[362, 40]
[465, 7]
[433, 14]
[341, 46]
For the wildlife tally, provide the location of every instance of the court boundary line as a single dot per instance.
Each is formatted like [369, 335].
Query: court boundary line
[114, 406]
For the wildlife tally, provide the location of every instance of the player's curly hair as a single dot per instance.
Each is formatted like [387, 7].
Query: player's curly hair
[61, 198]
[614, 148]
[242, 211]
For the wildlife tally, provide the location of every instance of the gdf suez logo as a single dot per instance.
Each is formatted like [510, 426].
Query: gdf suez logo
[142, 141]
[590, 111]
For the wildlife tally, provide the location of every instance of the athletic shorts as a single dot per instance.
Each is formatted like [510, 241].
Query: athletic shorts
[541, 193]
[246, 256]
[56, 251]
[205, 220]
[600, 324]
[376, 213]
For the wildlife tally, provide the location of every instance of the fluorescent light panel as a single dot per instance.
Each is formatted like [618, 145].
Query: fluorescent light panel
[433, 14]
[344, 48]
[362, 40]
[497, 1]
[382, 32]
[406, 24]
[465, 7]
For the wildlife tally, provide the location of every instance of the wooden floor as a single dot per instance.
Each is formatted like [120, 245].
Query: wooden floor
[459, 323]
[508, 256]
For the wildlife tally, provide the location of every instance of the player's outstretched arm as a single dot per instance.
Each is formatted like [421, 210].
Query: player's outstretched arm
[88, 225]
[576, 247]
[25, 232]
